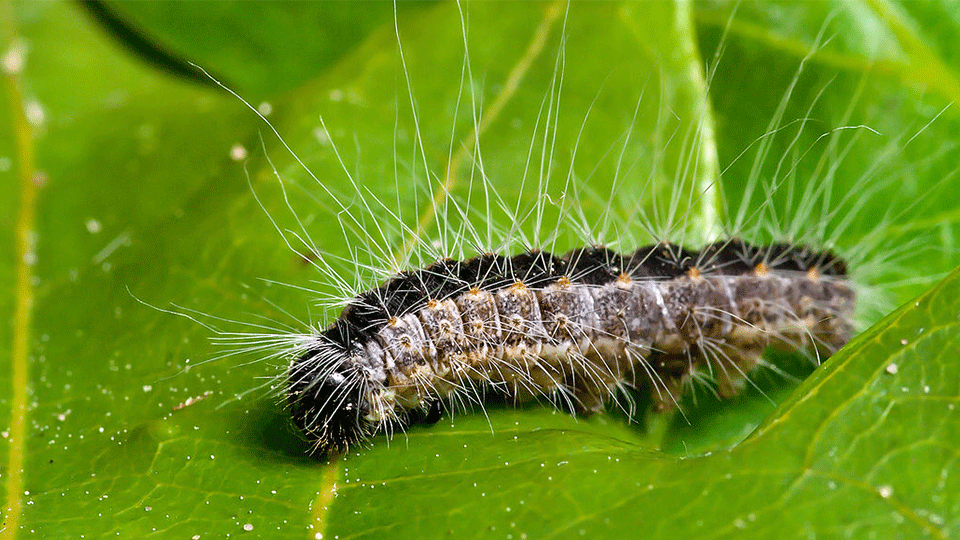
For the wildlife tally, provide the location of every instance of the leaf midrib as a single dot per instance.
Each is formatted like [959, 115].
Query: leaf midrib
[23, 290]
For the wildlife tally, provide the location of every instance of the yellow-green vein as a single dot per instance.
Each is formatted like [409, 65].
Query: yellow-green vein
[321, 504]
[707, 164]
[23, 291]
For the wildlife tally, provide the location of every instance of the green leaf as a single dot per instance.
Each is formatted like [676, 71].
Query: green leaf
[132, 427]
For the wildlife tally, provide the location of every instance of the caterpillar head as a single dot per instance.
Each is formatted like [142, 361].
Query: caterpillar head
[326, 392]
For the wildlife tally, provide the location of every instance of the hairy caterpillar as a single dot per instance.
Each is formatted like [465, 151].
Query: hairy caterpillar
[582, 324]
[333, 400]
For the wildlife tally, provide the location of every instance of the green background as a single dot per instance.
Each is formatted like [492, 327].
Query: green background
[140, 197]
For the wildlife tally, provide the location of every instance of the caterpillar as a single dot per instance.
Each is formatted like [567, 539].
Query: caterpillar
[581, 324]
[478, 293]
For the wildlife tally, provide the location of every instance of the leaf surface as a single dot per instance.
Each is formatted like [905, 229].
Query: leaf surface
[134, 428]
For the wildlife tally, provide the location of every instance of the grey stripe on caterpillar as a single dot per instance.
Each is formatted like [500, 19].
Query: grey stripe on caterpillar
[580, 325]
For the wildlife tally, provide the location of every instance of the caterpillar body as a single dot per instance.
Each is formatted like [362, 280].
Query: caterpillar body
[580, 325]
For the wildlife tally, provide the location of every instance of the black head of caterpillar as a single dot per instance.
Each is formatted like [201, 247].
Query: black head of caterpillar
[536, 324]
[325, 390]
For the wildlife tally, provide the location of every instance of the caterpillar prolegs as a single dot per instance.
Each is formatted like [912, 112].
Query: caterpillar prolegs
[579, 325]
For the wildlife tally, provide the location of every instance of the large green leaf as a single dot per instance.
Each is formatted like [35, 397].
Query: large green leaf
[141, 194]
